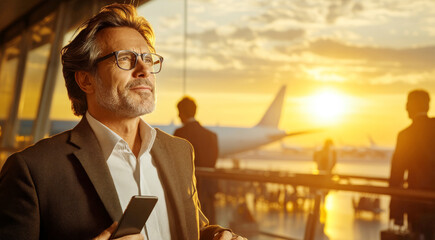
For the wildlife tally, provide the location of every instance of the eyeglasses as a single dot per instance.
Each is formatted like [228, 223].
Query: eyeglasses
[127, 60]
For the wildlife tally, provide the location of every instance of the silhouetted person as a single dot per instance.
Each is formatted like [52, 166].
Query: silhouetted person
[205, 146]
[326, 158]
[415, 154]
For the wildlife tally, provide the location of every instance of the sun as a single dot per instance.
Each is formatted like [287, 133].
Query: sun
[327, 106]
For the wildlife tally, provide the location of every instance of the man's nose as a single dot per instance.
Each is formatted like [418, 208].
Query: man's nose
[142, 69]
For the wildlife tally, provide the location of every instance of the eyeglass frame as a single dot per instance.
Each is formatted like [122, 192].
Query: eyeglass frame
[142, 56]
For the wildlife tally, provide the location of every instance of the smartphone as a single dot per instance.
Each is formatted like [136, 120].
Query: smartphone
[135, 216]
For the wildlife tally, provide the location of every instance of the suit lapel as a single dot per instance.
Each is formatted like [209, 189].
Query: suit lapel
[91, 158]
[168, 173]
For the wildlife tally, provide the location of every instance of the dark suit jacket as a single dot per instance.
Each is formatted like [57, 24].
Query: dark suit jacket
[415, 153]
[204, 143]
[61, 188]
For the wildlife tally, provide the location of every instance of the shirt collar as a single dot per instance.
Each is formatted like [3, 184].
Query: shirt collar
[148, 136]
[190, 120]
[421, 114]
[108, 139]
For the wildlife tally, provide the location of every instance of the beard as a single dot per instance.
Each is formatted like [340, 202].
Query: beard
[123, 102]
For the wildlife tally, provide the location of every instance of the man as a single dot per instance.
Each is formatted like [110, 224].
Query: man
[76, 185]
[415, 154]
[205, 146]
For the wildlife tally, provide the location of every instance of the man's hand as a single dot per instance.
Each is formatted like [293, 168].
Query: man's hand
[105, 235]
[227, 235]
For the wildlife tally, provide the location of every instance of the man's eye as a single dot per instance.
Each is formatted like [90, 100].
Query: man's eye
[124, 58]
[148, 60]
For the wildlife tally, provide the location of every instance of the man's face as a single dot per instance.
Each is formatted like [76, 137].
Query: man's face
[126, 93]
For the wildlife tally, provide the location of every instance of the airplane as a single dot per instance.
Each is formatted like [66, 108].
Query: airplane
[231, 140]
[373, 151]
[292, 148]
[379, 151]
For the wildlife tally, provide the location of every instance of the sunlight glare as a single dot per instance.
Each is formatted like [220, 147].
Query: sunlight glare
[327, 106]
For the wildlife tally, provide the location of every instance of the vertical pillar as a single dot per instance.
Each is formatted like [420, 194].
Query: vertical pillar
[12, 123]
[313, 217]
[42, 122]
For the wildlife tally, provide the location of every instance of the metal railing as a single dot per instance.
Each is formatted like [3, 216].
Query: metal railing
[314, 182]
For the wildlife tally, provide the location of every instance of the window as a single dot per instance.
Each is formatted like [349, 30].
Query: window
[8, 71]
[41, 37]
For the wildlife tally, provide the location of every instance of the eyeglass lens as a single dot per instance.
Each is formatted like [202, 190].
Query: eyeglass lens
[127, 61]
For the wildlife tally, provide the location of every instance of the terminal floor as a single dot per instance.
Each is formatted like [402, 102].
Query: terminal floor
[337, 220]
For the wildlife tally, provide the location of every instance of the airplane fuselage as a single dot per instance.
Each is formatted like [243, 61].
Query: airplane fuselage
[237, 139]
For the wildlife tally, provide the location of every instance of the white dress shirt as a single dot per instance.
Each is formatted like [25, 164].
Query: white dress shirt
[134, 176]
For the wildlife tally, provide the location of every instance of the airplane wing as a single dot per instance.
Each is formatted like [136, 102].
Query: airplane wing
[279, 136]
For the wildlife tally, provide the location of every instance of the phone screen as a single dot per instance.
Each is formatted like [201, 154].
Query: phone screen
[135, 216]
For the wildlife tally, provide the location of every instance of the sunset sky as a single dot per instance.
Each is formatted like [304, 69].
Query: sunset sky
[347, 64]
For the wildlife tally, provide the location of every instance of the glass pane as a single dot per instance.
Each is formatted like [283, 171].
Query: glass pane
[36, 64]
[61, 115]
[8, 72]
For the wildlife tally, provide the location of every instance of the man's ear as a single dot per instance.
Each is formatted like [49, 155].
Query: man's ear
[85, 81]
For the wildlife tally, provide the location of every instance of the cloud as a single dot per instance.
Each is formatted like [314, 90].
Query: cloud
[305, 43]
[286, 35]
[206, 37]
[290, 11]
[171, 22]
[420, 58]
[246, 34]
[243, 33]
